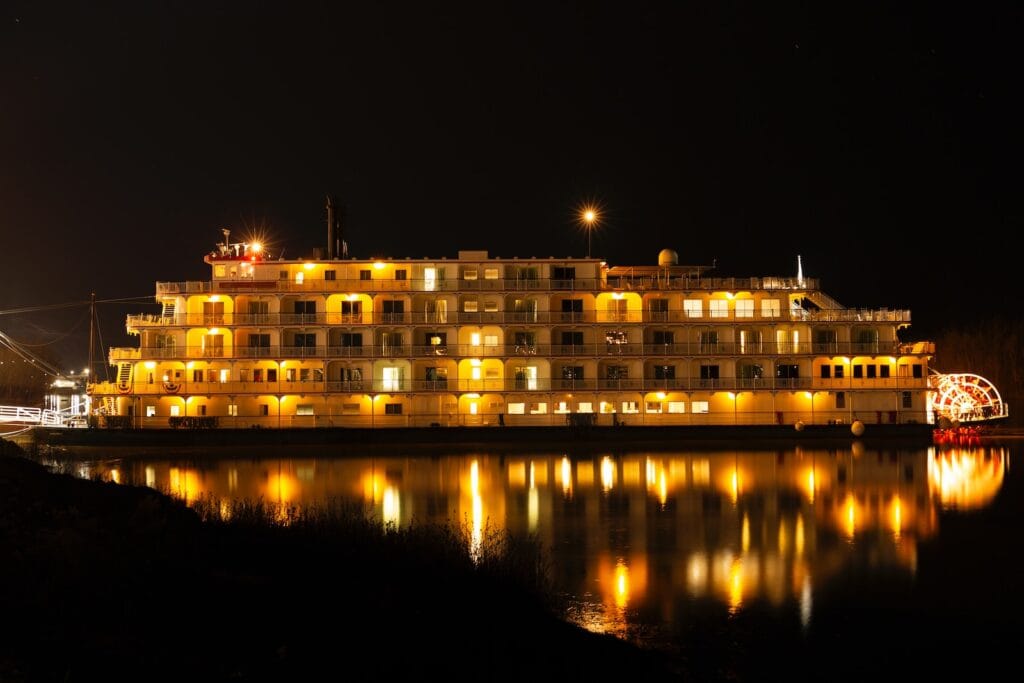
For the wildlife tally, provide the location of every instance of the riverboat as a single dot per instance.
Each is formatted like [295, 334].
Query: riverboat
[475, 341]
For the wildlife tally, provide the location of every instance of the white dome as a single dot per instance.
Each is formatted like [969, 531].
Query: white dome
[668, 257]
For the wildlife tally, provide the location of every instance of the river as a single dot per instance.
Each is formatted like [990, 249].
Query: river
[791, 562]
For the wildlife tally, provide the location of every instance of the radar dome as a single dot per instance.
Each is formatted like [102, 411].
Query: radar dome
[668, 257]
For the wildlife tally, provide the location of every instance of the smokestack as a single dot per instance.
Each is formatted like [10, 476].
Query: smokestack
[330, 228]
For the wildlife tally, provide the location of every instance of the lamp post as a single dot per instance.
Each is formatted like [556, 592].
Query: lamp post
[589, 217]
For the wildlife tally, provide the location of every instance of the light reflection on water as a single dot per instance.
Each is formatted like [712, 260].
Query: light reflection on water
[635, 537]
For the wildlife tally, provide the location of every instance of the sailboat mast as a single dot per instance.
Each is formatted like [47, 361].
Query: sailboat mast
[92, 335]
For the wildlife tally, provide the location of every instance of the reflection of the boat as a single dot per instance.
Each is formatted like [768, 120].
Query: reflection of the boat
[640, 530]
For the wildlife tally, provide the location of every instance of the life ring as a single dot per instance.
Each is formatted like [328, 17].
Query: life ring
[124, 388]
[171, 387]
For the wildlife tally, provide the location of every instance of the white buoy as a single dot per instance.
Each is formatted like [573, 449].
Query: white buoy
[799, 426]
[857, 428]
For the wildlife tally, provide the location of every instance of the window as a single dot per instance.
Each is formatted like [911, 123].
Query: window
[692, 308]
[197, 375]
[838, 370]
[883, 371]
[220, 270]
[490, 340]
[572, 338]
[349, 339]
[699, 406]
[585, 407]
[330, 275]
[264, 409]
[469, 274]
[918, 372]
[305, 340]
[563, 273]
[304, 409]
[175, 411]
[365, 274]
[630, 407]
[490, 306]
[872, 371]
[719, 308]
[677, 406]
[653, 407]
[840, 399]
[525, 378]
[305, 374]
[289, 375]
[391, 379]
[709, 341]
[858, 371]
[708, 375]
[282, 274]
[470, 306]
[826, 372]
[150, 411]
[572, 309]
[490, 273]
[392, 408]
[662, 337]
[659, 310]
[233, 409]
[271, 374]
[539, 408]
[770, 308]
[744, 308]
[664, 372]
[201, 409]
[516, 408]
[351, 311]
[907, 400]
[259, 341]
[400, 274]
[393, 311]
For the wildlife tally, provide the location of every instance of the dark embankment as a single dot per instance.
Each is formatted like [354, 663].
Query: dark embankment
[109, 582]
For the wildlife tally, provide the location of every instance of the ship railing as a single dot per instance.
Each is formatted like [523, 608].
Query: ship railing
[500, 317]
[509, 284]
[604, 349]
[314, 383]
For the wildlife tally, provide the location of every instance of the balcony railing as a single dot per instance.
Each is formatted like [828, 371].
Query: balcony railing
[620, 283]
[508, 384]
[323, 318]
[552, 351]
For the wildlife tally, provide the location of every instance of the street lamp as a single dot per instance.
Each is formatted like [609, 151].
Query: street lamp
[588, 219]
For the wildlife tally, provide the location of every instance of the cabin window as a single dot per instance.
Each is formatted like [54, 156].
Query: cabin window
[677, 406]
[516, 408]
[745, 308]
[840, 399]
[393, 409]
[699, 407]
[692, 308]
[826, 372]
[838, 371]
[770, 308]
[304, 409]
[908, 401]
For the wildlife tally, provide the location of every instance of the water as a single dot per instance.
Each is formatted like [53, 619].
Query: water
[794, 563]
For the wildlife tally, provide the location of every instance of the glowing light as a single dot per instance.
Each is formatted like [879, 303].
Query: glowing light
[379, 265]
[150, 365]
[308, 266]
[661, 395]
[607, 473]
[256, 247]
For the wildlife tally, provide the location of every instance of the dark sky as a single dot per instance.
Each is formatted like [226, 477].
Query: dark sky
[879, 142]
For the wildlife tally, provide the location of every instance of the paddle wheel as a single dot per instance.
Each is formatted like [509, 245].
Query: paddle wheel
[965, 398]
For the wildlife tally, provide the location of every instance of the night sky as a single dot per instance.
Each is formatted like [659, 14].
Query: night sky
[880, 143]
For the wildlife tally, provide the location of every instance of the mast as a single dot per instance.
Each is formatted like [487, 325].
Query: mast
[92, 334]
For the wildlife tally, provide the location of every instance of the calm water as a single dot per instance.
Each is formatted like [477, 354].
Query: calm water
[848, 562]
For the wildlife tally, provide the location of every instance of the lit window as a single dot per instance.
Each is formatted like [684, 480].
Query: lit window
[516, 408]
[304, 409]
[391, 379]
[490, 340]
[630, 407]
[539, 408]
[770, 308]
[699, 407]
[150, 411]
[233, 409]
[474, 339]
[469, 275]
[175, 411]
[490, 273]
[561, 407]
[586, 407]
[692, 308]
[475, 372]
[653, 406]
[719, 308]
[490, 306]
[744, 308]
[470, 306]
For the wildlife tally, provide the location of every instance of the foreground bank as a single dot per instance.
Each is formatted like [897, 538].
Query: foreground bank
[112, 582]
